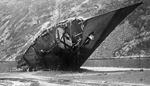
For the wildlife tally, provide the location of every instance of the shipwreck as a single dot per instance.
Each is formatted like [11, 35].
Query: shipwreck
[68, 44]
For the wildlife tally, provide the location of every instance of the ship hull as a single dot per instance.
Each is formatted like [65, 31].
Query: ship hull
[52, 50]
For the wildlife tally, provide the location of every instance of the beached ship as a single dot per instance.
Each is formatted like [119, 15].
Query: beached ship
[68, 44]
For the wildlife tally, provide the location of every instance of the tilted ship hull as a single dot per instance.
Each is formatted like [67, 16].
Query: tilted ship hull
[68, 44]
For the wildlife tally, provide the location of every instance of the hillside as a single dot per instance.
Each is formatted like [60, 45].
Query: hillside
[130, 38]
[21, 21]
[138, 44]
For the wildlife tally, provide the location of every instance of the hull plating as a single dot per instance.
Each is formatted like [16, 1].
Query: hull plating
[68, 45]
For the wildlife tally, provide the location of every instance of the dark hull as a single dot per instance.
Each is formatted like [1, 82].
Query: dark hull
[47, 51]
[106, 24]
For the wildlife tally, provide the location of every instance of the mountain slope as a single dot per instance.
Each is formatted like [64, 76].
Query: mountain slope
[21, 21]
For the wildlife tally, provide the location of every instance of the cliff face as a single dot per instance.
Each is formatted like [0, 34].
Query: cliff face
[22, 20]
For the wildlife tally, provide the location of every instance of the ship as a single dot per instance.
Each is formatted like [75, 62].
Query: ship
[68, 44]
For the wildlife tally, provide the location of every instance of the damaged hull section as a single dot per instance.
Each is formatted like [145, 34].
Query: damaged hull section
[68, 44]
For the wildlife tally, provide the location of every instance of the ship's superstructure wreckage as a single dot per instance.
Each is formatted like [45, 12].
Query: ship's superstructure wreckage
[68, 44]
